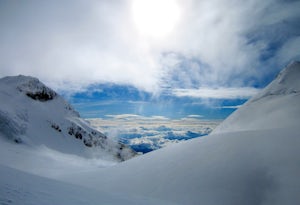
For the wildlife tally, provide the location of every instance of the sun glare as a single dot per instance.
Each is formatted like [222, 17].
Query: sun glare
[155, 18]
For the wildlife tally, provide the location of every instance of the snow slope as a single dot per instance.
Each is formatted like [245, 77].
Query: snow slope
[249, 167]
[26, 189]
[251, 159]
[32, 114]
[277, 106]
[252, 162]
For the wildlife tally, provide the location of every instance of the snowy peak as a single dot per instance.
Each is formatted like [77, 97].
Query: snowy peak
[287, 82]
[36, 90]
[290, 76]
[30, 86]
[33, 114]
[33, 89]
[279, 102]
[17, 80]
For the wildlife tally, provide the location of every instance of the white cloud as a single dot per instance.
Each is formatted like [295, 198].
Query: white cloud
[154, 132]
[217, 93]
[87, 43]
[195, 116]
[158, 117]
[192, 118]
[134, 117]
[290, 50]
[124, 116]
[97, 42]
[230, 107]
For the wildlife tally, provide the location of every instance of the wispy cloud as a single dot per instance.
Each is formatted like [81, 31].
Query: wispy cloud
[217, 93]
[195, 116]
[230, 107]
[214, 43]
[134, 117]
[124, 116]
[192, 117]
[158, 117]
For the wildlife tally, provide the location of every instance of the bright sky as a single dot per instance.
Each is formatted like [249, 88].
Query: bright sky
[176, 51]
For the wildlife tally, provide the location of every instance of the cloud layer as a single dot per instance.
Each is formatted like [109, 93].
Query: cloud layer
[217, 93]
[145, 134]
[216, 43]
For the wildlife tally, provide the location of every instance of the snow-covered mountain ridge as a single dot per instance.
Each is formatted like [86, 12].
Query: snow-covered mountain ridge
[286, 82]
[33, 114]
[276, 106]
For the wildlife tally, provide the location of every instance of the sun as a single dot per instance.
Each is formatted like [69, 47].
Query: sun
[155, 18]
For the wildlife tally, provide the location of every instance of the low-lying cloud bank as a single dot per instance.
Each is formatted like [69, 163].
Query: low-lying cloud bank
[145, 134]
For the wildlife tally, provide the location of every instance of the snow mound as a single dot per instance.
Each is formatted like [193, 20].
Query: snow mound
[276, 106]
[33, 114]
